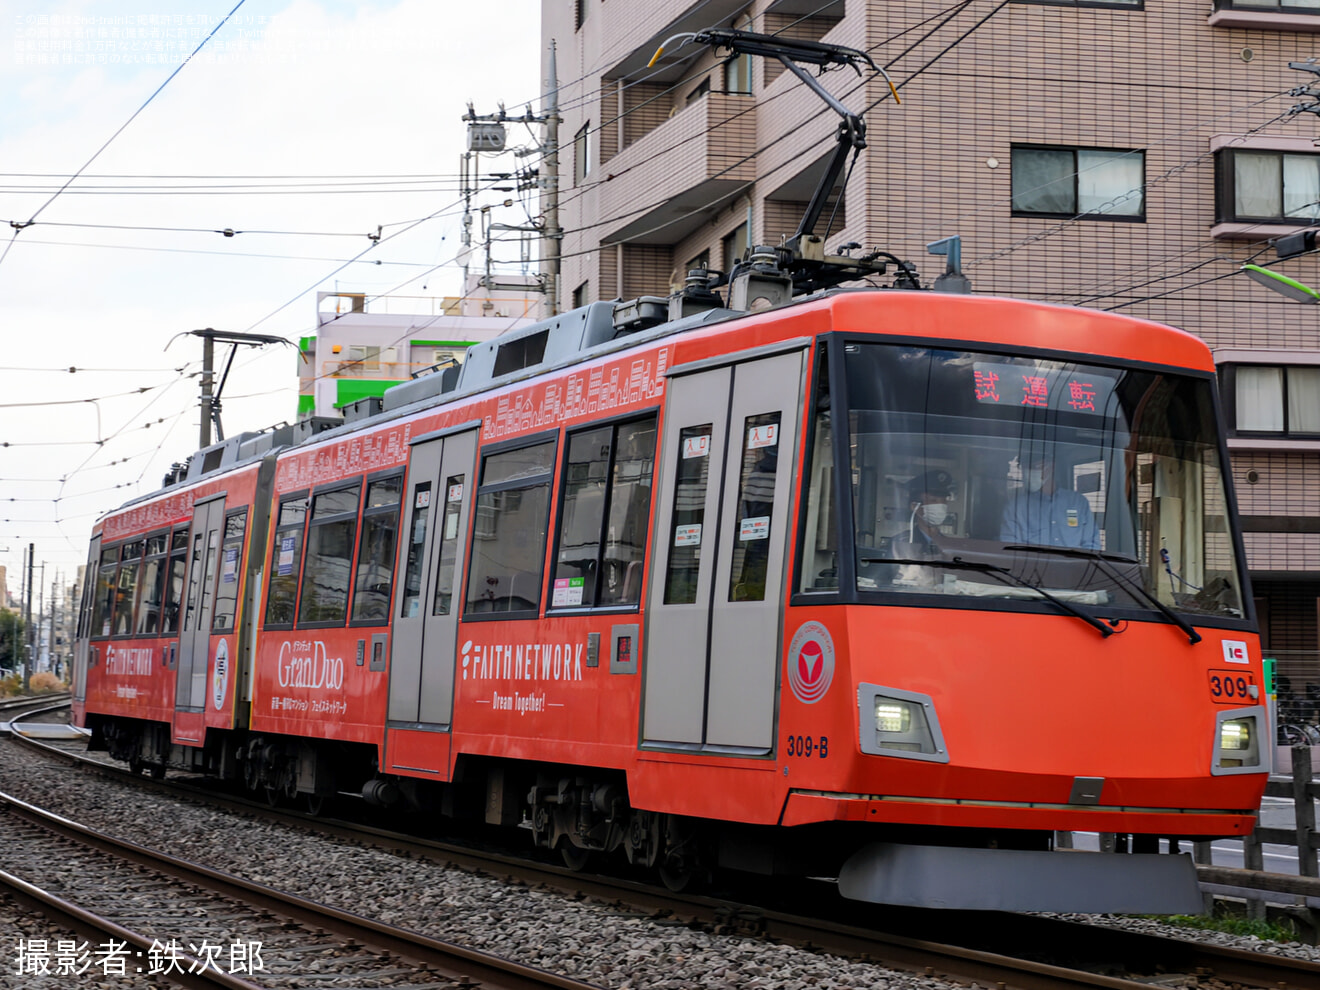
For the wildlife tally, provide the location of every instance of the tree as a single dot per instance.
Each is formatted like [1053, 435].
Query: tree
[11, 639]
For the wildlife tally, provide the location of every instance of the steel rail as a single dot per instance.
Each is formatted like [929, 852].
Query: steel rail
[456, 962]
[913, 954]
[79, 919]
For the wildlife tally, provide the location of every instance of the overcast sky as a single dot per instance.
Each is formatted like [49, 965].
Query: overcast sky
[298, 89]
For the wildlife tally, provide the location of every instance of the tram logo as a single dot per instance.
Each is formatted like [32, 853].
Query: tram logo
[220, 682]
[810, 662]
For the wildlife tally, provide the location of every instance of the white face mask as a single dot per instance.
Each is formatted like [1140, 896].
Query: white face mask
[935, 513]
[1035, 479]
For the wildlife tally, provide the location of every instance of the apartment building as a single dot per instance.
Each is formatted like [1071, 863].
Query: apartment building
[1115, 154]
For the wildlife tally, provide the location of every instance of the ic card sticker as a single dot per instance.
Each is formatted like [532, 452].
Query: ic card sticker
[229, 569]
[687, 536]
[423, 499]
[754, 528]
[1235, 651]
[455, 493]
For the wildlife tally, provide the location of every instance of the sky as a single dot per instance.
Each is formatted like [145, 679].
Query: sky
[307, 124]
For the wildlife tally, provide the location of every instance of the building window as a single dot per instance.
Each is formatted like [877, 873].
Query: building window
[580, 296]
[1068, 182]
[1272, 6]
[582, 152]
[700, 263]
[1129, 4]
[735, 245]
[603, 516]
[701, 89]
[1266, 186]
[738, 74]
[579, 14]
[508, 546]
[1271, 399]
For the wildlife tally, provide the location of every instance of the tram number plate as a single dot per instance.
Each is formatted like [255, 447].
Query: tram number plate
[1232, 687]
[809, 747]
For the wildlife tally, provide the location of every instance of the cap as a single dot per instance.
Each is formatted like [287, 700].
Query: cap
[935, 482]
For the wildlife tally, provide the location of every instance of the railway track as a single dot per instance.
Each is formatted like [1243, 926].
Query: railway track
[996, 950]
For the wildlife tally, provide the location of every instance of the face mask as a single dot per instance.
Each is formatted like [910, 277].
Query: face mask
[1035, 480]
[935, 513]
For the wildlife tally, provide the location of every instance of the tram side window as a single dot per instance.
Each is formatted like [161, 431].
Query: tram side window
[603, 517]
[329, 566]
[153, 586]
[375, 560]
[689, 514]
[756, 500]
[105, 592]
[231, 571]
[508, 549]
[444, 581]
[126, 588]
[284, 559]
[412, 572]
[174, 582]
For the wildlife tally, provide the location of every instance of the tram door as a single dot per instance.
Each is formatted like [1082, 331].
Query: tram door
[712, 660]
[81, 650]
[423, 646]
[195, 631]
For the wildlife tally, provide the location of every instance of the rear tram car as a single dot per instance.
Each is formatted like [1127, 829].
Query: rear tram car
[892, 586]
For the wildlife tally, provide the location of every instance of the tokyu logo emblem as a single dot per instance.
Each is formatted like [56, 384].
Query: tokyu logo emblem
[810, 662]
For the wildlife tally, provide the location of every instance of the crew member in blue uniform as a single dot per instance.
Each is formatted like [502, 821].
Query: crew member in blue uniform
[1044, 515]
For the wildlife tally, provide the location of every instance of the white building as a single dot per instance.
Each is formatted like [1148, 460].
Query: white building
[363, 346]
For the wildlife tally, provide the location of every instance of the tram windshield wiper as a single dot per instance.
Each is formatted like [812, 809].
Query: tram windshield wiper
[1003, 574]
[1105, 562]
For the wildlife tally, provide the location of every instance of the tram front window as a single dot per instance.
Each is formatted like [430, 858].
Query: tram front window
[988, 475]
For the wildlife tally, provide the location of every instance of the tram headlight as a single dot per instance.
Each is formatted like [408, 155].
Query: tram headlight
[892, 716]
[899, 723]
[1238, 742]
[1236, 734]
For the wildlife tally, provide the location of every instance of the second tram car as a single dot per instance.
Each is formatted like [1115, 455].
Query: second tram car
[890, 586]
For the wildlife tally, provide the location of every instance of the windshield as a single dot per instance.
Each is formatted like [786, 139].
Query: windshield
[1088, 481]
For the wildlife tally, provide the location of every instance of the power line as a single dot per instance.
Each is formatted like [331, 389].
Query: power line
[97, 153]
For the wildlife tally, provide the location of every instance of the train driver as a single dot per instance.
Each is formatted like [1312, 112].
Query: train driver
[928, 508]
[1043, 514]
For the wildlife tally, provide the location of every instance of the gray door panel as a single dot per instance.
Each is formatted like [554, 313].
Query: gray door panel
[447, 556]
[754, 523]
[195, 636]
[684, 557]
[85, 620]
[413, 573]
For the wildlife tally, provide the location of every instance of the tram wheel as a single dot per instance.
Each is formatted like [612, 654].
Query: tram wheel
[315, 804]
[679, 878]
[575, 857]
[157, 771]
[135, 766]
[273, 796]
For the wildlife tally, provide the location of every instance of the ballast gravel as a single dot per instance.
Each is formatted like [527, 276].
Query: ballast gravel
[543, 928]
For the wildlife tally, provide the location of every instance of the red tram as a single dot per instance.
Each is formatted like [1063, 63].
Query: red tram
[891, 586]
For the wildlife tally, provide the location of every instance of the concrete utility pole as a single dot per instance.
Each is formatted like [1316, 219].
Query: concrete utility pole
[550, 185]
[208, 374]
[27, 617]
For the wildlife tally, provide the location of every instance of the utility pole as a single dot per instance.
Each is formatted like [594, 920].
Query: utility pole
[54, 600]
[210, 399]
[550, 185]
[208, 409]
[41, 620]
[27, 617]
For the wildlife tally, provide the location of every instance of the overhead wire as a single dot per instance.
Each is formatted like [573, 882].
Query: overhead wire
[111, 138]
